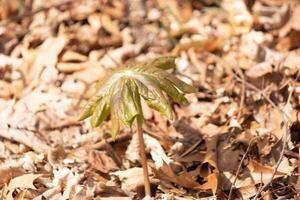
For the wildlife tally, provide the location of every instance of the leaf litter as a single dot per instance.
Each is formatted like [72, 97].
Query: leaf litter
[238, 138]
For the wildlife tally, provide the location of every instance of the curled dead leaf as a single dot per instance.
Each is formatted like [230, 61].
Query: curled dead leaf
[23, 182]
[185, 179]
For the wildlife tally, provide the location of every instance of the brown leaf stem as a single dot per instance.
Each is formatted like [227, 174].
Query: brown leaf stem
[143, 159]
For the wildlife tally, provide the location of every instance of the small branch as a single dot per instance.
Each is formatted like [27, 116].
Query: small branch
[257, 90]
[284, 141]
[239, 168]
[285, 118]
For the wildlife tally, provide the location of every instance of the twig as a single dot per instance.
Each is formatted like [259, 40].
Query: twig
[257, 90]
[191, 149]
[284, 141]
[239, 168]
[280, 188]
[285, 134]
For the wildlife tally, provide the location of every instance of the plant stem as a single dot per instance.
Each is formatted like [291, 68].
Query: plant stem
[143, 158]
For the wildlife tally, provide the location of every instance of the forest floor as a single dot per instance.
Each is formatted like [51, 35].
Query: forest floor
[238, 138]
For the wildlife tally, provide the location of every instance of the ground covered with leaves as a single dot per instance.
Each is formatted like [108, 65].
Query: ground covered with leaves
[238, 138]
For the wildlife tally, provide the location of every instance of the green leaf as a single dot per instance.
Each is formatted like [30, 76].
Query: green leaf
[115, 126]
[155, 99]
[127, 108]
[182, 86]
[89, 108]
[120, 91]
[132, 103]
[168, 87]
[101, 112]
[160, 104]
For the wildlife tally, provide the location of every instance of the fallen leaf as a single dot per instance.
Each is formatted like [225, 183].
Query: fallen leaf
[261, 173]
[72, 56]
[238, 15]
[9, 173]
[67, 180]
[47, 57]
[131, 178]
[115, 198]
[67, 67]
[259, 70]
[109, 25]
[185, 179]
[101, 161]
[153, 146]
[24, 182]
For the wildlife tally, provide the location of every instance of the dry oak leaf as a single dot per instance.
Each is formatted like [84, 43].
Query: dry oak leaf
[7, 174]
[109, 25]
[259, 70]
[101, 161]
[25, 181]
[131, 178]
[156, 151]
[185, 179]
[261, 173]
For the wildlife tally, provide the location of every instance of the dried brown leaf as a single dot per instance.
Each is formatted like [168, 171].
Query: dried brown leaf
[24, 182]
[185, 179]
[101, 161]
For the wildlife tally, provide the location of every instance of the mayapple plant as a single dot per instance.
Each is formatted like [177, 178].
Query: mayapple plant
[120, 92]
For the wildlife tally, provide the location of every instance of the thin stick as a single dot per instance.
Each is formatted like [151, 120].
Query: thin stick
[284, 144]
[143, 158]
[238, 170]
[285, 118]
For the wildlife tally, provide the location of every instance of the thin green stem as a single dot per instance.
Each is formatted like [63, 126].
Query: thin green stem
[143, 158]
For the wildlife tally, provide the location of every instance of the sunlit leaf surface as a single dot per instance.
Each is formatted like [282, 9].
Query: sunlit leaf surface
[120, 92]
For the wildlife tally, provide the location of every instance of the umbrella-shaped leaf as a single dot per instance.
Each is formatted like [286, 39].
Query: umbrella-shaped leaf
[119, 93]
